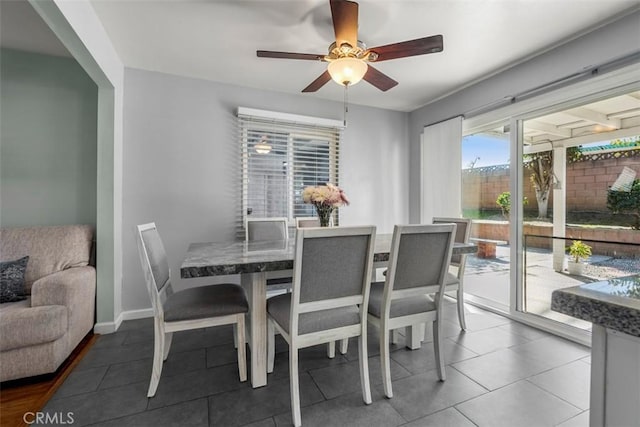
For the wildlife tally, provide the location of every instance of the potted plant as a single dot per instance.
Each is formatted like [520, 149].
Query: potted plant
[578, 251]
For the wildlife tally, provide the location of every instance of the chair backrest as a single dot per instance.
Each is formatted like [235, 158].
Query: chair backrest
[463, 233]
[418, 261]
[259, 229]
[155, 266]
[332, 269]
[309, 221]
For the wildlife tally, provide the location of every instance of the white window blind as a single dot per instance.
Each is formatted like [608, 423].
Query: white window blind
[280, 157]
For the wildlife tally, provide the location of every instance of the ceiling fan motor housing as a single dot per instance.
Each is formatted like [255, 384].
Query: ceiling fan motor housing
[346, 50]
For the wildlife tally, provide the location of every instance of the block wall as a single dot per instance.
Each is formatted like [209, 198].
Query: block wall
[587, 184]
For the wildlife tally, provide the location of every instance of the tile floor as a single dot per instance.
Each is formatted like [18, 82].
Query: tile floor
[499, 373]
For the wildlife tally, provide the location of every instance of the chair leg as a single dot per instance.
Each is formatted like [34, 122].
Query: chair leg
[344, 346]
[235, 335]
[385, 364]
[242, 348]
[437, 347]
[395, 336]
[364, 368]
[168, 338]
[331, 349]
[158, 352]
[461, 319]
[294, 386]
[271, 346]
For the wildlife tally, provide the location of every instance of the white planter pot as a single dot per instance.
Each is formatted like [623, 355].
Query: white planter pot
[575, 268]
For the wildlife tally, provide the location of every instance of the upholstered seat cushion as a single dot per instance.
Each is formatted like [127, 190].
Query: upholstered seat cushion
[279, 308]
[22, 325]
[205, 301]
[399, 307]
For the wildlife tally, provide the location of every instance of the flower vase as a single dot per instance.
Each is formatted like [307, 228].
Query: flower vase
[324, 214]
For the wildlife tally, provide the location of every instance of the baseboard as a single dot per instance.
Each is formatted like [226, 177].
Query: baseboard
[111, 327]
[104, 328]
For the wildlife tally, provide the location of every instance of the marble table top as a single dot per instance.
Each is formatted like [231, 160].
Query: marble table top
[613, 303]
[223, 258]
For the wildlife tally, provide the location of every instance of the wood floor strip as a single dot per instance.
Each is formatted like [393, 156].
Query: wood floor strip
[18, 397]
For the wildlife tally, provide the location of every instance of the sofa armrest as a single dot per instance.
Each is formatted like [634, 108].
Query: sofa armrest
[65, 287]
[74, 288]
[28, 326]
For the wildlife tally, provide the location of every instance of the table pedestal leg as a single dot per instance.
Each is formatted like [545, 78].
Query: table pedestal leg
[414, 335]
[255, 285]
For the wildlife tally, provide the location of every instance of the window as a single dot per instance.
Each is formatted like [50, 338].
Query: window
[281, 154]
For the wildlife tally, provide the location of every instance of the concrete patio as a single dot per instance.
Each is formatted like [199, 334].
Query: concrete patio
[489, 279]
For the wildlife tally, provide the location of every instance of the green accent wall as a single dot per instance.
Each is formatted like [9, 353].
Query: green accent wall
[48, 141]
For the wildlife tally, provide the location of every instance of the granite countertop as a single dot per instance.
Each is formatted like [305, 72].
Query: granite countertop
[224, 258]
[613, 303]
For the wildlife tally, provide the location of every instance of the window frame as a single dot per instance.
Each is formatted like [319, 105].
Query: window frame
[297, 128]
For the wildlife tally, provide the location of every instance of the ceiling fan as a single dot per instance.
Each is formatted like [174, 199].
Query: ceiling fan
[349, 59]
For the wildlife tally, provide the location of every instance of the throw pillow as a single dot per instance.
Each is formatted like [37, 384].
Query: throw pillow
[12, 280]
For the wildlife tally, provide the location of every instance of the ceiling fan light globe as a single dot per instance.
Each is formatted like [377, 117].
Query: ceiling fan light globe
[347, 71]
[263, 148]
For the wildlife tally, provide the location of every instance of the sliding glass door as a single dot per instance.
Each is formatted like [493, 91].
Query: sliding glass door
[486, 199]
[579, 165]
[537, 184]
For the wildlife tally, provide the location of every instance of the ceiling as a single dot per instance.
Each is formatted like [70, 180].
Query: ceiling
[217, 40]
[613, 118]
[22, 28]
[617, 117]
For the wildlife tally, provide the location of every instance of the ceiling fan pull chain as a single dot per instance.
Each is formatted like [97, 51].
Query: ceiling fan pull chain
[346, 103]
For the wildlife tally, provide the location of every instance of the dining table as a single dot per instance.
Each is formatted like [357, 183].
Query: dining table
[255, 262]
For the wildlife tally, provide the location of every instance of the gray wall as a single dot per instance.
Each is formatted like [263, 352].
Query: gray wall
[611, 42]
[181, 164]
[48, 111]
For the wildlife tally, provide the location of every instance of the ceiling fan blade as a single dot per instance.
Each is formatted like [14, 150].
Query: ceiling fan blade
[345, 21]
[318, 83]
[379, 80]
[289, 55]
[409, 48]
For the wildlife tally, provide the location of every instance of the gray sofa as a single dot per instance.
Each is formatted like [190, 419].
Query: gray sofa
[38, 333]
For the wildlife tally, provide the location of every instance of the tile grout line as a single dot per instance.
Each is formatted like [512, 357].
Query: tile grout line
[555, 395]
[455, 408]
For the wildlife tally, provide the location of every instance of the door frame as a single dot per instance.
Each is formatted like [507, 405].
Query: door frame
[614, 83]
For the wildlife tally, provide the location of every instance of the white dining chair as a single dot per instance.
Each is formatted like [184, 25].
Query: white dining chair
[418, 263]
[263, 229]
[455, 281]
[193, 308]
[331, 282]
[307, 221]
[314, 221]
[260, 229]
[268, 229]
